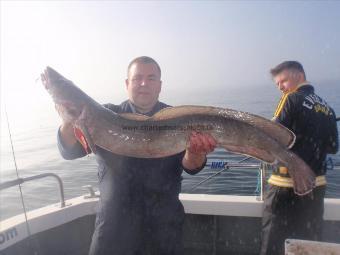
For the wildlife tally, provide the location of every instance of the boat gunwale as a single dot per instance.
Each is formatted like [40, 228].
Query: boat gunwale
[53, 215]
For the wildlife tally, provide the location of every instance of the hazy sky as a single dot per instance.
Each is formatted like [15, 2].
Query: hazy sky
[199, 45]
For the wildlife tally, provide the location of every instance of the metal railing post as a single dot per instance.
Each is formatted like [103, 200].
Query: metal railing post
[19, 181]
[263, 171]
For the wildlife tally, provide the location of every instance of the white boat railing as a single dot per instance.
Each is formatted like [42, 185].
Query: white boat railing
[19, 181]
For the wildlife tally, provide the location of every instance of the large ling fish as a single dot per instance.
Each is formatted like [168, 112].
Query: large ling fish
[166, 133]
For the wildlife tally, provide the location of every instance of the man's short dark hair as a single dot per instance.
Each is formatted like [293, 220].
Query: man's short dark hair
[287, 65]
[144, 60]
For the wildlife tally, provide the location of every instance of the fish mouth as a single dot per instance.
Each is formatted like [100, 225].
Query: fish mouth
[49, 76]
[44, 79]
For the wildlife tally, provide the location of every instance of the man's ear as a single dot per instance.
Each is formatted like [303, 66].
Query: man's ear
[302, 77]
[296, 76]
[126, 83]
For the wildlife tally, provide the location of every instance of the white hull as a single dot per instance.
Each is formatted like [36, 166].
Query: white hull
[216, 209]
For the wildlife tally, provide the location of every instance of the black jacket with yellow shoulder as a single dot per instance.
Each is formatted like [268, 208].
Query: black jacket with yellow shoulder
[314, 123]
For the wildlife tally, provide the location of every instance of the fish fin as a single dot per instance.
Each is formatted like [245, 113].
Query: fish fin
[134, 116]
[81, 138]
[273, 129]
[89, 140]
[183, 110]
[251, 151]
[277, 131]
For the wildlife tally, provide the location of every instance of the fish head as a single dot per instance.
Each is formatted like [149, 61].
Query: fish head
[67, 96]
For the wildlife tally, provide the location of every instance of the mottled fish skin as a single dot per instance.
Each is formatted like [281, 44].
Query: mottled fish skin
[166, 133]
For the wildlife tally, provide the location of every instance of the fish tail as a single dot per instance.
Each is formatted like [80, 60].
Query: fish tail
[302, 175]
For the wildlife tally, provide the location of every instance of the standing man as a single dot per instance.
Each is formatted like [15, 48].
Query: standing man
[313, 121]
[139, 210]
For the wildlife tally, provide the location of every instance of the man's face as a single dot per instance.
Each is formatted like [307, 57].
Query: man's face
[143, 85]
[288, 80]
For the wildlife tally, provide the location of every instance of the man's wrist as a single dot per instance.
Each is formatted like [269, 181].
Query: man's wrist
[67, 135]
[193, 161]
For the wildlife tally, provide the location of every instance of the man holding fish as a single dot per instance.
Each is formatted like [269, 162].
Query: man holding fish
[142, 146]
[139, 211]
[313, 121]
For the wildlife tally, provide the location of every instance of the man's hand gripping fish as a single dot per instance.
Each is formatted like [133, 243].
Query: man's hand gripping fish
[167, 132]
